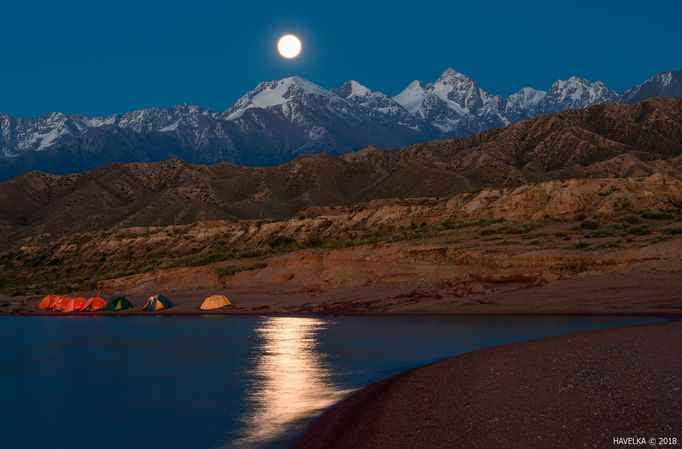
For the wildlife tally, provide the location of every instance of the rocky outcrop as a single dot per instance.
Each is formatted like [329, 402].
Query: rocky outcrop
[571, 197]
[494, 212]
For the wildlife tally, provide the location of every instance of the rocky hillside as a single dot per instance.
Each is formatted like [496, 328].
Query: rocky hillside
[602, 141]
[625, 213]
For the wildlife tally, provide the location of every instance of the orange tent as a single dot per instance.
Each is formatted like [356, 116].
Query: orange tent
[47, 302]
[93, 304]
[79, 302]
[73, 304]
[66, 305]
[57, 303]
[215, 302]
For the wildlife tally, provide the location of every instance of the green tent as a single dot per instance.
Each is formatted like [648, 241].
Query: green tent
[116, 303]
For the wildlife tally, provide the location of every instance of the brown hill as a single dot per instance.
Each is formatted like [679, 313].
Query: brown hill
[603, 141]
[628, 213]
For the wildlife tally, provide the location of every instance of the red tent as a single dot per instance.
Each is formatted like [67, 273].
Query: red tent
[78, 303]
[93, 304]
[66, 305]
[73, 304]
[47, 302]
[57, 303]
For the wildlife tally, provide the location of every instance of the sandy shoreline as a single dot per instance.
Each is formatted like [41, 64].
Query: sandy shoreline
[636, 292]
[580, 390]
[418, 278]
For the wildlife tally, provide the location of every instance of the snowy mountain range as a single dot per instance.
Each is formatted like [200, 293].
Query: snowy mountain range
[280, 120]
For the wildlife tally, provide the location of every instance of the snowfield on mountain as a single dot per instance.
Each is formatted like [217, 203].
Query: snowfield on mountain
[284, 119]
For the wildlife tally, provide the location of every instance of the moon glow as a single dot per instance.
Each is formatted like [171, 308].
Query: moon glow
[289, 46]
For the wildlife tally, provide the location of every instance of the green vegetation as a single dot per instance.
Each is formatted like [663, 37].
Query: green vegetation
[524, 227]
[607, 245]
[81, 264]
[508, 242]
[448, 224]
[279, 241]
[632, 219]
[600, 234]
[491, 239]
[639, 230]
[653, 215]
[491, 251]
[512, 228]
[589, 224]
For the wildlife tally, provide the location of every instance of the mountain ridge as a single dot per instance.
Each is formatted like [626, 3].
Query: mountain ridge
[282, 119]
[613, 140]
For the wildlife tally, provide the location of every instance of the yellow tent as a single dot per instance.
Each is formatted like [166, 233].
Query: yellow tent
[215, 302]
[156, 303]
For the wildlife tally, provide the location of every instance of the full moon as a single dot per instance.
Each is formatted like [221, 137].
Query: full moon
[289, 46]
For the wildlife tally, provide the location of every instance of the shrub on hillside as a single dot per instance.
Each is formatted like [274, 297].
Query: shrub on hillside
[639, 230]
[632, 219]
[279, 241]
[589, 224]
[653, 215]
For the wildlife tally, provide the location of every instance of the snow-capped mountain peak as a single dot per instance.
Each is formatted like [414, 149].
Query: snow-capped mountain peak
[451, 75]
[523, 104]
[666, 84]
[665, 78]
[452, 97]
[281, 119]
[311, 117]
[303, 85]
[576, 92]
[460, 91]
[527, 97]
[412, 97]
[159, 119]
[276, 93]
[360, 95]
[352, 89]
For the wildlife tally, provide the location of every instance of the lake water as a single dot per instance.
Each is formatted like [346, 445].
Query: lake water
[218, 382]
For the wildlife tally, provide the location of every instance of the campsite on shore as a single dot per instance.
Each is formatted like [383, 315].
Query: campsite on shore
[53, 304]
[215, 235]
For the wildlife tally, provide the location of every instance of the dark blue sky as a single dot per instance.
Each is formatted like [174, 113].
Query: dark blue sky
[99, 57]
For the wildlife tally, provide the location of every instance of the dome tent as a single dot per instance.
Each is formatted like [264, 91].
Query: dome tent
[215, 302]
[116, 303]
[56, 305]
[156, 303]
[73, 304]
[48, 302]
[93, 304]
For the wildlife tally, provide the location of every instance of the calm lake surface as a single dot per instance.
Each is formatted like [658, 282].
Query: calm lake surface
[218, 382]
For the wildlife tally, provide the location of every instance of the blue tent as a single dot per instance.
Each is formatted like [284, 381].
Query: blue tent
[156, 303]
